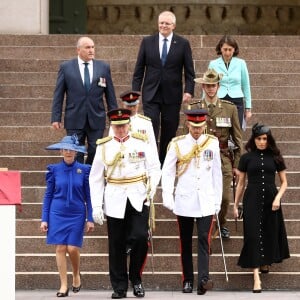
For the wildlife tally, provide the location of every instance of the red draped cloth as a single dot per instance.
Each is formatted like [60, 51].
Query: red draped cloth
[10, 188]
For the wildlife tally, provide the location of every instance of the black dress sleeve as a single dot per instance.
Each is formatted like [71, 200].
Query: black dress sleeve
[243, 163]
[280, 166]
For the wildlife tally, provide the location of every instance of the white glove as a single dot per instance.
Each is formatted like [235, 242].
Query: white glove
[168, 202]
[98, 215]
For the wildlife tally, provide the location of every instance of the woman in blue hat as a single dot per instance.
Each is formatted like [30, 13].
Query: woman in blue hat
[66, 206]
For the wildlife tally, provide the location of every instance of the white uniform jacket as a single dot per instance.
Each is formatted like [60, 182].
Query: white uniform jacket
[142, 124]
[135, 160]
[199, 188]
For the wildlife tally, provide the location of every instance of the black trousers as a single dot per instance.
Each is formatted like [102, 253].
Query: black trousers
[91, 135]
[135, 225]
[164, 117]
[204, 228]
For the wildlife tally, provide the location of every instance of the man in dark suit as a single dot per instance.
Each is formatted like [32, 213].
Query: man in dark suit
[84, 81]
[161, 60]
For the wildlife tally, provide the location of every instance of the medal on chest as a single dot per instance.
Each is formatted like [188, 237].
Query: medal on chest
[136, 157]
[223, 122]
[208, 157]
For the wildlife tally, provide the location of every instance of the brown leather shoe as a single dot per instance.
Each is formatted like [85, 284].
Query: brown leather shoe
[118, 294]
[204, 286]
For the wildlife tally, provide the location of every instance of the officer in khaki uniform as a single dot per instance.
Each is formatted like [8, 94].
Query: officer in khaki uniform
[195, 159]
[124, 175]
[223, 122]
[138, 123]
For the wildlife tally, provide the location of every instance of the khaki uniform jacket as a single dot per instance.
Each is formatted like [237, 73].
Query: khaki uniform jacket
[223, 122]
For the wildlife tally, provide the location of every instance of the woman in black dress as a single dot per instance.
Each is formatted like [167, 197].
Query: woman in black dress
[265, 239]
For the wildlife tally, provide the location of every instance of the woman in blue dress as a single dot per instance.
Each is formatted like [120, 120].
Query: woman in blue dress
[66, 207]
[265, 238]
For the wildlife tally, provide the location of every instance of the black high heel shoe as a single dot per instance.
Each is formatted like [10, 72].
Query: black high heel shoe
[264, 269]
[257, 287]
[65, 294]
[76, 289]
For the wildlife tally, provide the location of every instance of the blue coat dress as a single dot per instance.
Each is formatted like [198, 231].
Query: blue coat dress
[67, 203]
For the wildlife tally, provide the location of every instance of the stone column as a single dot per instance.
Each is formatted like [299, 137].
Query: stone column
[24, 17]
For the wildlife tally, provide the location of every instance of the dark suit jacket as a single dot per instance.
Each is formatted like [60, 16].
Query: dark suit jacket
[79, 105]
[149, 69]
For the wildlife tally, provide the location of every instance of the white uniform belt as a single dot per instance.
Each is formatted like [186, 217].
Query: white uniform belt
[127, 179]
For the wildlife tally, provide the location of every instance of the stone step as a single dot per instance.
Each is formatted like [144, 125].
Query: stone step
[247, 41]
[161, 245]
[241, 280]
[281, 133]
[124, 78]
[46, 91]
[43, 105]
[165, 238]
[264, 93]
[44, 118]
[19, 148]
[264, 53]
[163, 263]
[33, 211]
[49, 78]
[59, 40]
[47, 134]
[52, 65]
[129, 51]
[267, 67]
[35, 194]
[29, 105]
[276, 119]
[37, 178]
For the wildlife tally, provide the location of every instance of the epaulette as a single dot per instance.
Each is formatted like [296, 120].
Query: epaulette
[177, 138]
[103, 140]
[212, 136]
[144, 117]
[139, 136]
[226, 101]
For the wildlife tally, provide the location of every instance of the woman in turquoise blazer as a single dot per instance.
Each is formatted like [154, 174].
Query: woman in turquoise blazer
[235, 83]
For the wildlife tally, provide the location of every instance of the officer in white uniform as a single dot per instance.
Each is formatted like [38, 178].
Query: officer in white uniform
[138, 123]
[195, 160]
[123, 176]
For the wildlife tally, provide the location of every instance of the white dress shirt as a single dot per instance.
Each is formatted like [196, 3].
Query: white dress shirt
[82, 66]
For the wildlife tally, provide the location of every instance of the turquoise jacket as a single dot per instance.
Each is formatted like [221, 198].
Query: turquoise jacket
[235, 81]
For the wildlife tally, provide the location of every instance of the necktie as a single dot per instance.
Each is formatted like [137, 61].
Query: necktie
[87, 83]
[164, 52]
[210, 109]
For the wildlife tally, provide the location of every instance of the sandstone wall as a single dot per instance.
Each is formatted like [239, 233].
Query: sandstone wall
[246, 17]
